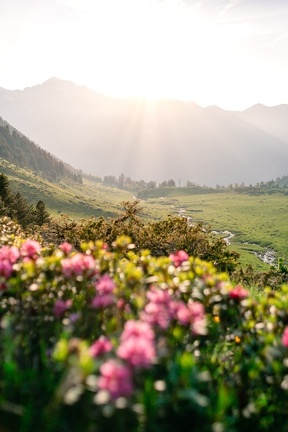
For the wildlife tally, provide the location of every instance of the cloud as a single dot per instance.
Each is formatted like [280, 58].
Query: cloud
[224, 8]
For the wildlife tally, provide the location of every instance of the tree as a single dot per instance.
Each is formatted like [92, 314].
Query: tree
[42, 216]
[5, 191]
[23, 211]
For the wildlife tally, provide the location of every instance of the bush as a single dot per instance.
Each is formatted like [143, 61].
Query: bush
[109, 338]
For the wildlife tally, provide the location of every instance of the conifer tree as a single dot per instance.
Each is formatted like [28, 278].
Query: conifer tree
[42, 216]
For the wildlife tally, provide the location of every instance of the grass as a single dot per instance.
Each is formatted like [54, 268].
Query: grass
[68, 197]
[259, 223]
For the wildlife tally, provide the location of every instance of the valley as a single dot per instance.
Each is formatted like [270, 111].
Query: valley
[258, 223]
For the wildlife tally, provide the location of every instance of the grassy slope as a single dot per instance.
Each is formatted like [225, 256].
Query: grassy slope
[89, 199]
[253, 219]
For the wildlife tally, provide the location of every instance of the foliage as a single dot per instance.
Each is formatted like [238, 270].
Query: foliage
[160, 237]
[108, 338]
[15, 206]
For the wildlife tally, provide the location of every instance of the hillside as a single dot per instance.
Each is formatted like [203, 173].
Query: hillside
[19, 150]
[151, 140]
[66, 197]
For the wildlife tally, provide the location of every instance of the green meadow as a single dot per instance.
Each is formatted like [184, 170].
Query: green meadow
[258, 223]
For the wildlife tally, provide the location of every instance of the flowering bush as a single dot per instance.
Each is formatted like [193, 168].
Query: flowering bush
[110, 339]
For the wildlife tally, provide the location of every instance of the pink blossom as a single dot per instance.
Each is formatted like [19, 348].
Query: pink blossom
[137, 345]
[61, 306]
[78, 265]
[100, 346]
[285, 337]
[133, 328]
[65, 248]
[181, 312]
[179, 257]
[10, 254]
[105, 285]
[238, 293]
[197, 311]
[116, 379]
[103, 301]
[138, 352]
[30, 248]
[6, 268]
[158, 296]
[158, 311]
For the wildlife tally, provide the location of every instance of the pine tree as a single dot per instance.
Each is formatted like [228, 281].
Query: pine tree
[24, 212]
[5, 191]
[41, 214]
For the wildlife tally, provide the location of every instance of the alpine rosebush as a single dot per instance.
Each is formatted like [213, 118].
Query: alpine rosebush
[108, 338]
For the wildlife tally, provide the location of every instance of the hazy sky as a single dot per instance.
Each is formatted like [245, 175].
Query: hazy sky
[231, 53]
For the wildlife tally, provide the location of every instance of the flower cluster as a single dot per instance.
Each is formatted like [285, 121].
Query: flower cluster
[137, 344]
[78, 265]
[150, 340]
[104, 288]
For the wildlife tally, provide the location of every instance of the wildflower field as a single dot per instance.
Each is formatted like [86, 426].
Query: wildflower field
[107, 338]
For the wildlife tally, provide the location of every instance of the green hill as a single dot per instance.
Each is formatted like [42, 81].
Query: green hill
[19, 150]
[77, 200]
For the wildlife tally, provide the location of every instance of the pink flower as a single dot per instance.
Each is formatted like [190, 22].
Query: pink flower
[179, 257]
[133, 328]
[65, 248]
[159, 310]
[61, 306]
[137, 345]
[78, 265]
[10, 254]
[116, 379]
[238, 293]
[6, 268]
[181, 312]
[100, 346]
[105, 285]
[103, 301]
[197, 311]
[30, 248]
[285, 337]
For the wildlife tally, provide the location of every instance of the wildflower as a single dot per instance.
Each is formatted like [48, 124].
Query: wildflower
[10, 254]
[179, 257]
[238, 293]
[6, 268]
[285, 337]
[30, 248]
[61, 306]
[116, 379]
[137, 344]
[197, 311]
[102, 301]
[100, 346]
[78, 265]
[105, 285]
[158, 311]
[181, 312]
[65, 248]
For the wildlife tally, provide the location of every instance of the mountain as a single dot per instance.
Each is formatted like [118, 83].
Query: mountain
[151, 140]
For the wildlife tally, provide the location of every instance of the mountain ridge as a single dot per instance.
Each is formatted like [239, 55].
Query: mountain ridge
[151, 140]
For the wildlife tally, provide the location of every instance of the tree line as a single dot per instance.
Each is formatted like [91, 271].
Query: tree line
[15, 206]
[19, 150]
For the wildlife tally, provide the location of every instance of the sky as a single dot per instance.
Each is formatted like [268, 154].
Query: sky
[230, 53]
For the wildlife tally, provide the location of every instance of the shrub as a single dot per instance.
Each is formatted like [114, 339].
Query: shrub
[109, 338]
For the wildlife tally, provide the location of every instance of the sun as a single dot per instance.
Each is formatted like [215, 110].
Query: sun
[143, 53]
